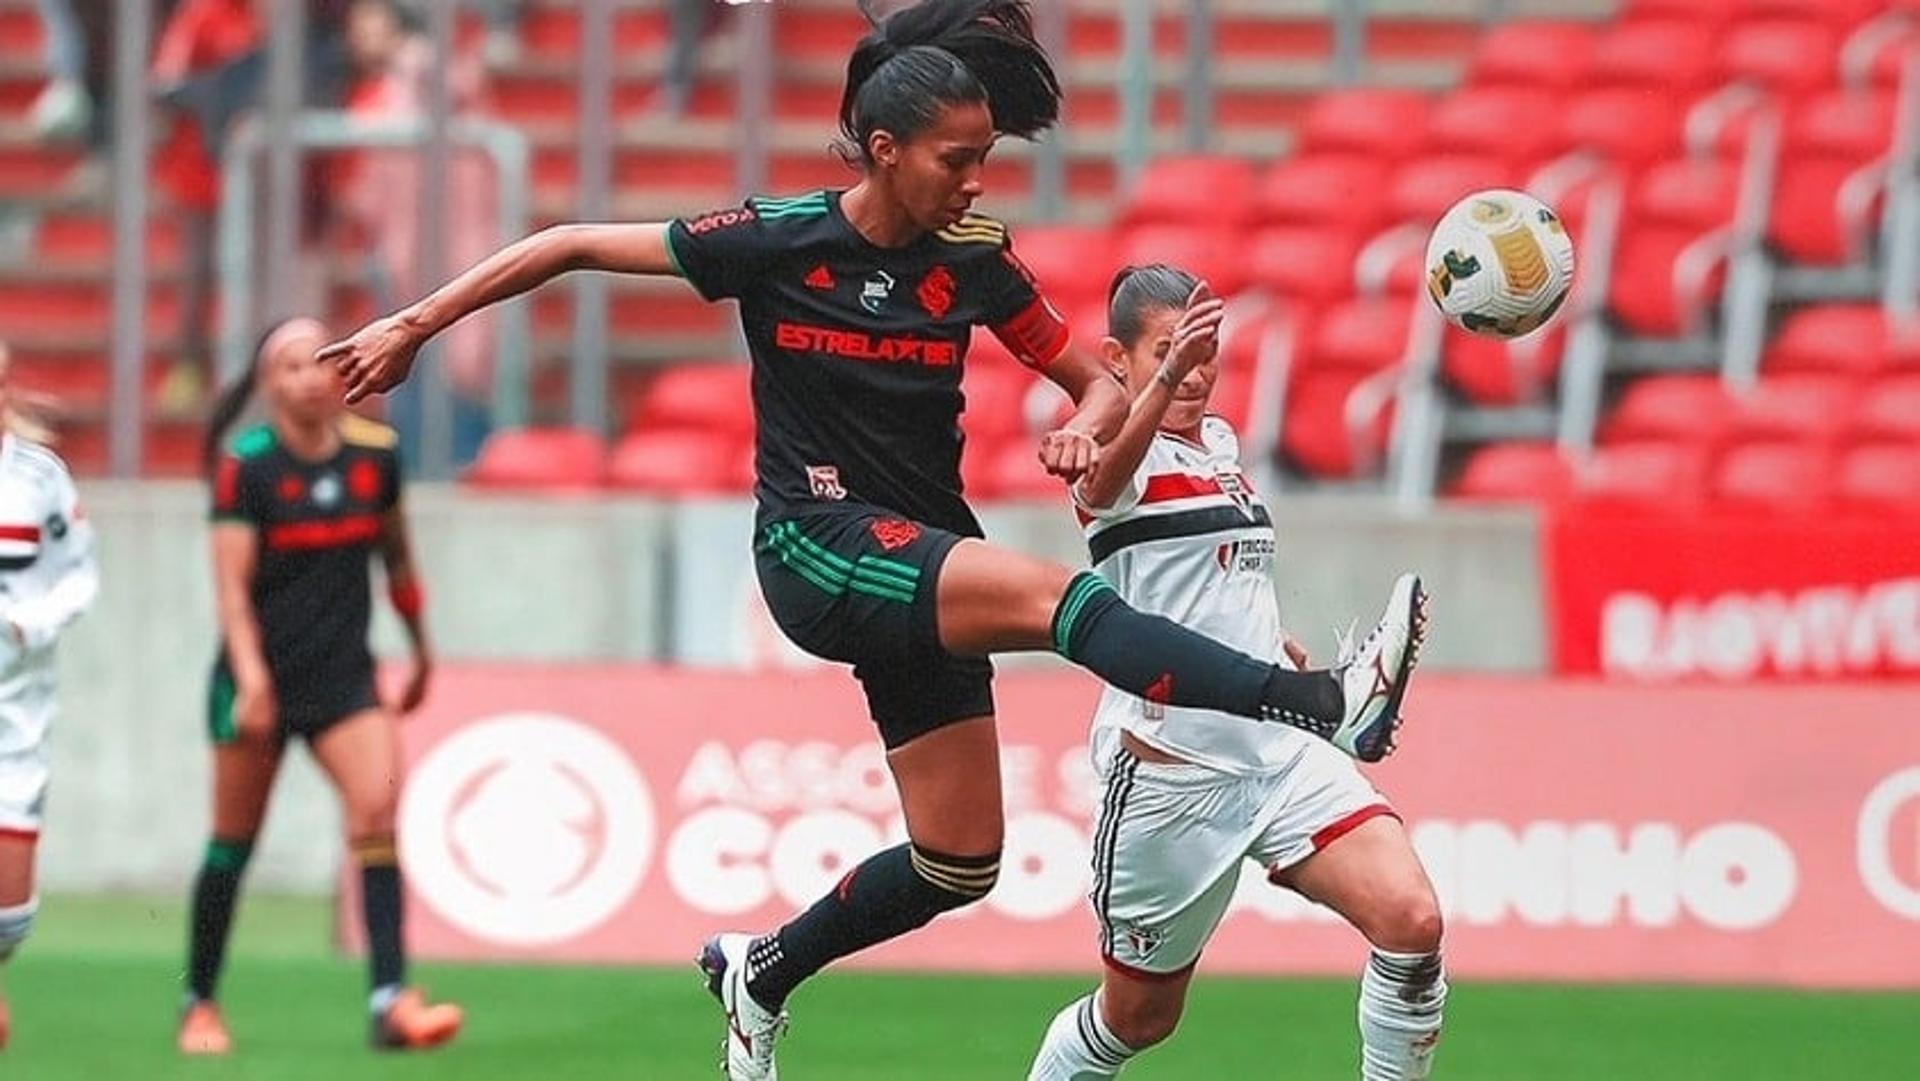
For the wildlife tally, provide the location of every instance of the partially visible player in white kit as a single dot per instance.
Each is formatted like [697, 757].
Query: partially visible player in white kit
[1173, 524]
[47, 578]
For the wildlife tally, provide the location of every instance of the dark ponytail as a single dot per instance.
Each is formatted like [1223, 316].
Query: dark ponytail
[234, 399]
[946, 52]
[1137, 289]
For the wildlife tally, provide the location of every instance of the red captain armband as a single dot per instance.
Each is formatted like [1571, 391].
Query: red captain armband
[407, 598]
[1038, 335]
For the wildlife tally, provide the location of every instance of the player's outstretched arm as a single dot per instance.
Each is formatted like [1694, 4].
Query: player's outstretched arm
[379, 356]
[1073, 450]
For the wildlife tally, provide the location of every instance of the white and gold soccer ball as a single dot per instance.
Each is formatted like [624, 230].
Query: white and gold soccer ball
[1500, 264]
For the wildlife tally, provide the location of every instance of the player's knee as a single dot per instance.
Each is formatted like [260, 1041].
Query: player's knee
[371, 814]
[1141, 1021]
[16, 923]
[1044, 590]
[1409, 923]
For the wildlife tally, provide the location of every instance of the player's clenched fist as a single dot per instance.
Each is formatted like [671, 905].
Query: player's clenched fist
[1069, 453]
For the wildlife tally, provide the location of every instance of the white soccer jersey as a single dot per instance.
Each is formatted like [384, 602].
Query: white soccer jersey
[1189, 540]
[47, 578]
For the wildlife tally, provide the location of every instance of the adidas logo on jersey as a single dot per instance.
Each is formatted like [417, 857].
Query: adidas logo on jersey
[820, 278]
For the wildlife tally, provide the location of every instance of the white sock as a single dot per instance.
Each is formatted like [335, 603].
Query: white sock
[1079, 1046]
[1401, 996]
[382, 997]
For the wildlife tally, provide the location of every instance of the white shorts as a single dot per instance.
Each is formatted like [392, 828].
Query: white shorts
[23, 789]
[1169, 840]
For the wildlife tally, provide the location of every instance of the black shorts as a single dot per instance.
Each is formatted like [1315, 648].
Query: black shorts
[306, 709]
[856, 584]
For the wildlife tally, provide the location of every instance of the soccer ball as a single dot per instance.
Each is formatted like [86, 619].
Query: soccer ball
[1499, 264]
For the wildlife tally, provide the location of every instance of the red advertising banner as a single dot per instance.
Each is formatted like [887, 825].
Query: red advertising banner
[1657, 598]
[1574, 830]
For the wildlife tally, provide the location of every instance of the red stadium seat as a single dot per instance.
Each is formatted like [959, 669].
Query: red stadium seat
[1838, 338]
[1315, 434]
[1889, 410]
[1809, 408]
[1880, 478]
[682, 462]
[1305, 263]
[1211, 253]
[1630, 126]
[1492, 372]
[1426, 188]
[1363, 335]
[1379, 122]
[1072, 263]
[1826, 206]
[1774, 477]
[1514, 125]
[1012, 471]
[996, 395]
[1515, 472]
[1650, 474]
[1670, 408]
[1342, 191]
[1675, 206]
[709, 397]
[1208, 191]
[1672, 57]
[1789, 56]
[1545, 55]
[1840, 13]
[557, 459]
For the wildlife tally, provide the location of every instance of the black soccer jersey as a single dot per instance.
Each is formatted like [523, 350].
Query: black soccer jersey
[857, 349]
[317, 524]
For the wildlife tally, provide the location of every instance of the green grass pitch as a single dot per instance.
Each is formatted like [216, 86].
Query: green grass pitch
[94, 998]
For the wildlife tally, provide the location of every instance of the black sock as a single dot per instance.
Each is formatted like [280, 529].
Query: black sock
[1163, 662]
[885, 897]
[214, 893]
[380, 906]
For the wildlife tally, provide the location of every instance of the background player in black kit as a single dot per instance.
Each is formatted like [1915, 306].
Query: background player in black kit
[857, 307]
[300, 505]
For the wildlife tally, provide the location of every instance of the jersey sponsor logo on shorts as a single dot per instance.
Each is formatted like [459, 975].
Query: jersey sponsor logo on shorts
[894, 533]
[856, 345]
[824, 482]
[936, 292]
[819, 278]
[876, 292]
[721, 219]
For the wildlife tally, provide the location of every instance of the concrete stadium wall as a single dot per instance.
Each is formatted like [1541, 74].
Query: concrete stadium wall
[591, 580]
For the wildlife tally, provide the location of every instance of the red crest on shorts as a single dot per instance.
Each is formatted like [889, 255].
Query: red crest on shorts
[936, 292]
[893, 533]
[363, 481]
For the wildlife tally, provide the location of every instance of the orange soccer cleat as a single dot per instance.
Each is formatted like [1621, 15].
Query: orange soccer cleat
[411, 1024]
[203, 1032]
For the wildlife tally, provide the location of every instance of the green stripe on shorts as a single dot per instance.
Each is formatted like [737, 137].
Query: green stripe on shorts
[220, 725]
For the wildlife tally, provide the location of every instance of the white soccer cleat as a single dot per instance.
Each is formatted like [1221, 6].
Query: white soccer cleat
[752, 1029]
[1373, 676]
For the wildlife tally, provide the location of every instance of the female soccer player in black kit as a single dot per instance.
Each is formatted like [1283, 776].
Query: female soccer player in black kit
[300, 505]
[857, 307]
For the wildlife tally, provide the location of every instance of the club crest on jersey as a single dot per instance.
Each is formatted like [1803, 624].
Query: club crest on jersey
[876, 291]
[824, 482]
[1233, 485]
[936, 292]
[363, 481]
[326, 490]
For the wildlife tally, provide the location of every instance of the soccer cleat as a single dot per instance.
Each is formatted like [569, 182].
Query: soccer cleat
[1373, 676]
[202, 1031]
[411, 1024]
[752, 1029]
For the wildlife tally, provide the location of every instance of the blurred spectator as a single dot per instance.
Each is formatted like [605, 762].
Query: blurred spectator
[64, 110]
[394, 63]
[689, 22]
[207, 67]
[503, 29]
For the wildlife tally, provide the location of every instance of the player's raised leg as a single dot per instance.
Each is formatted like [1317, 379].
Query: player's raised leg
[994, 600]
[1372, 877]
[949, 783]
[361, 755]
[244, 768]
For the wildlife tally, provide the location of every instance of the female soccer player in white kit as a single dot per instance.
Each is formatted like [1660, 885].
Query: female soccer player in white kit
[1173, 524]
[47, 578]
